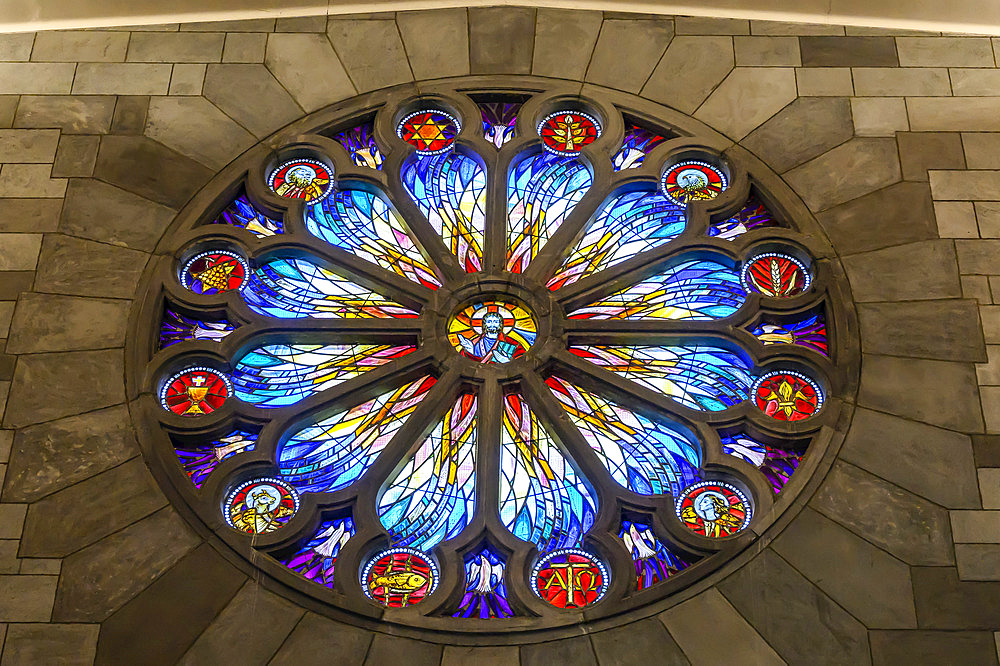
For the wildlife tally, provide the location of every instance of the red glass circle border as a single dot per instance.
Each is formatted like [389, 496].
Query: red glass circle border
[567, 132]
[430, 131]
[802, 398]
[242, 506]
[406, 577]
[214, 272]
[710, 182]
[195, 391]
[288, 180]
[570, 578]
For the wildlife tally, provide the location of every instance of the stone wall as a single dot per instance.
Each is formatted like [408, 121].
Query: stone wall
[893, 140]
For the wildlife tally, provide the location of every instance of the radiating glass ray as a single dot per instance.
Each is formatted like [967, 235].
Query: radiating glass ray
[693, 290]
[360, 145]
[333, 453]
[654, 562]
[241, 213]
[432, 498]
[809, 332]
[279, 375]
[499, 119]
[543, 499]
[637, 144]
[646, 457]
[296, 288]
[176, 327]
[698, 376]
[200, 460]
[542, 190]
[485, 590]
[776, 464]
[752, 216]
[626, 225]
[363, 224]
[318, 556]
[450, 190]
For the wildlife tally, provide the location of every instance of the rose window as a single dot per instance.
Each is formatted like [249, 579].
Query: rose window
[490, 362]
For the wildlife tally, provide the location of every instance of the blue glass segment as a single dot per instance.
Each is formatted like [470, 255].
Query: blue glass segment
[485, 590]
[241, 213]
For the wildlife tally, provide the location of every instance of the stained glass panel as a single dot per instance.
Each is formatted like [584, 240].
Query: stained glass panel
[626, 225]
[176, 327]
[363, 224]
[485, 590]
[360, 145]
[432, 498]
[295, 288]
[450, 190]
[542, 190]
[318, 556]
[753, 215]
[695, 290]
[543, 499]
[637, 144]
[654, 562]
[499, 119]
[200, 460]
[279, 375]
[332, 453]
[701, 377]
[810, 332]
[241, 213]
[776, 464]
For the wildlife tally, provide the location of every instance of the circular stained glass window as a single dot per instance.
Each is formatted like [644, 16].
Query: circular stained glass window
[434, 370]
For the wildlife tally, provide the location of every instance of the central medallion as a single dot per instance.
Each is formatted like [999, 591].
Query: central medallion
[493, 330]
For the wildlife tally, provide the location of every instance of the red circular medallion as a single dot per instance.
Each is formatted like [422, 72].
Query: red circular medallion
[566, 132]
[570, 578]
[195, 391]
[302, 178]
[692, 180]
[429, 131]
[399, 577]
[787, 396]
[713, 509]
[214, 272]
[261, 505]
[775, 275]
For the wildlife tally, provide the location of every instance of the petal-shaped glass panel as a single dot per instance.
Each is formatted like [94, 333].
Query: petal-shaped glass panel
[654, 562]
[751, 216]
[809, 332]
[450, 189]
[776, 464]
[241, 213]
[698, 376]
[499, 119]
[200, 460]
[331, 454]
[360, 145]
[695, 290]
[176, 327]
[485, 589]
[626, 225]
[542, 190]
[637, 144]
[318, 556]
[296, 288]
[363, 224]
[279, 375]
[646, 457]
[433, 497]
[543, 499]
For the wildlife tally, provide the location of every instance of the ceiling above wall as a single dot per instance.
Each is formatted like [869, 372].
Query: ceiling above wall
[969, 16]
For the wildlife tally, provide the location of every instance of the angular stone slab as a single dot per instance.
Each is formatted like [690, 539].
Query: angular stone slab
[920, 151]
[945, 602]
[905, 215]
[848, 51]
[786, 608]
[567, 651]
[180, 604]
[109, 214]
[933, 647]
[78, 516]
[501, 40]
[313, 88]
[51, 456]
[252, 97]
[372, 52]
[79, 267]
[918, 271]
[481, 656]
[51, 386]
[643, 642]
[911, 528]
[436, 41]
[647, 41]
[64, 644]
[869, 583]
[944, 330]
[747, 98]
[564, 41]
[195, 127]
[82, 323]
[29, 215]
[99, 579]
[27, 598]
[315, 638]
[807, 127]
[850, 170]
[706, 61]
[387, 649]
[144, 167]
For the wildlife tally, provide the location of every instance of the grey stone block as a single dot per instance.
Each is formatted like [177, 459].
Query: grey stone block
[917, 271]
[9, 564]
[804, 129]
[850, 170]
[85, 268]
[905, 215]
[977, 288]
[12, 283]
[387, 649]
[705, 25]
[638, 644]
[934, 463]
[180, 604]
[945, 602]
[188, 79]
[869, 583]
[82, 514]
[30, 78]
[920, 151]
[986, 449]
[567, 651]
[76, 156]
[789, 28]
[436, 41]
[34, 565]
[974, 82]
[564, 42]
[975, 526]
[901, 82]
[194, 127]
[785, 607]
[130, 114]
[962, 51]
[245, 25]
[978, 561]
[501, 40]
[102, 212]
[16, 46]
[957, 114]
[12, 520]
[80, 46]
[324, 83]
[706, 61]
[176, 47]
[747, 98]
[30, 180]
[982, 151]
[28, 146]
[121, 79]
[481, 656]
[64, 644]
[978, 257]
[647, 40]
[29, 215]
[767, 51]
[848, 51]
[51, 386]
[301, 24]
[824, 82]
[965, 185]
[909, 527]
[146, 168]
[238, 633]
[315, 638]
[79, 114]
[943, 330]
[371, 51]
[251, 97]
[927, 647]
[244, 47]
[26, 598]
[54, 455]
